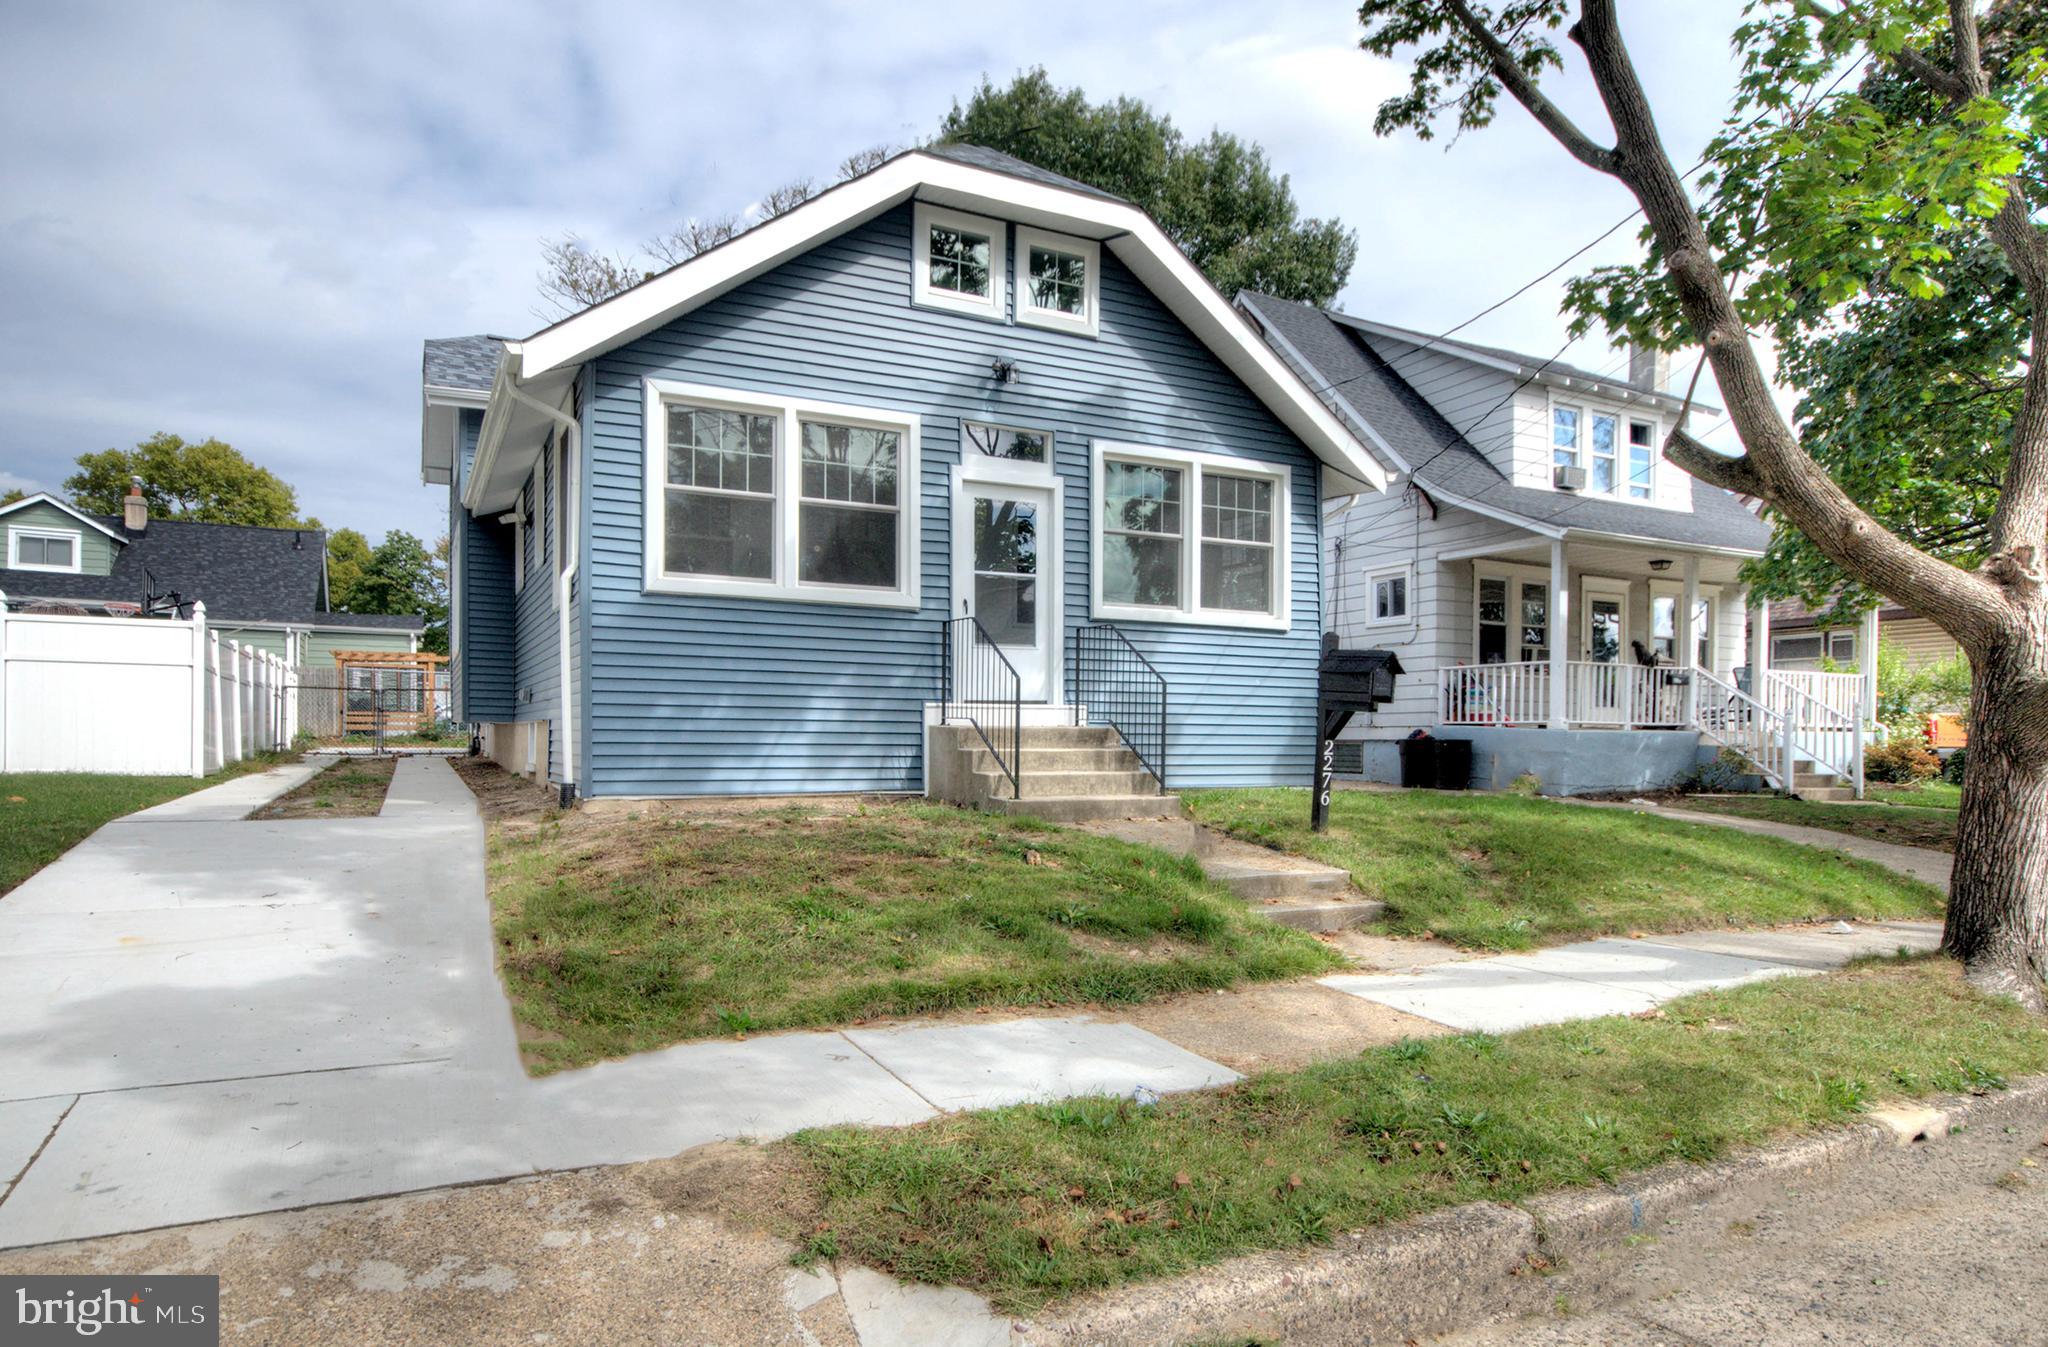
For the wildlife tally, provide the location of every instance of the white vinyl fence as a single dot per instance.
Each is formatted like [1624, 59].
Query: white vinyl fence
[135, 696]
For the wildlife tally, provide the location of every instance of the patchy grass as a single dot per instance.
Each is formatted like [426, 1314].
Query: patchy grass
[1510, 872]
[1925, 794]
[618, 933]
[1905, 825]
[45, 814]
[1036, 1202]
[352, 788]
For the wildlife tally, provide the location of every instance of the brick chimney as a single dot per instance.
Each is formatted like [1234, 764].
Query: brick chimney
[1649, 369]
[134, 510]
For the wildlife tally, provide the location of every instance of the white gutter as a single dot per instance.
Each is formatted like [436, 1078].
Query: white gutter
[565, 578]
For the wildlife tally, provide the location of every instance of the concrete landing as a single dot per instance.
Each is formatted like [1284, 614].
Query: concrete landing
[235, 798]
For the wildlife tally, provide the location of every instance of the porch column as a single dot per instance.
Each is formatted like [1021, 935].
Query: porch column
[1688, 633]
[1759, 644]
[1866, 664]
[1560, 628]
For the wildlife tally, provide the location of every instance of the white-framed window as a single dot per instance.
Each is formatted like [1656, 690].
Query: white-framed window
[776, 497]
[522, 535]
[1813, 646]
[957, 261]
[1007, 442]
[1642, 459]
[1604, 438]
[1059, 281]
[1189, 537]
[41, 549]
[1665, 600]
[1511, 615]
[1388, 596]
[1564, 436]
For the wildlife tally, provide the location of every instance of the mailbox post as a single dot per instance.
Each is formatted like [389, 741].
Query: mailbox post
[1347, 682]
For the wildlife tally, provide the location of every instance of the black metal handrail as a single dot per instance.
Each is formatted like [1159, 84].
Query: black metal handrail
[1113, 684]
[978, 684]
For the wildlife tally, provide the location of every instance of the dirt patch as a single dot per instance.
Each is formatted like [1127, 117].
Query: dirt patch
[501, 795]
[1276, 1026]
[352, 788]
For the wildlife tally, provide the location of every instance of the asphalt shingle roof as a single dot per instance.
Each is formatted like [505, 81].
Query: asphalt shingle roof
[980, 156]
[462, 362]
[1342, 363]
[1549, 363]
[242, 574]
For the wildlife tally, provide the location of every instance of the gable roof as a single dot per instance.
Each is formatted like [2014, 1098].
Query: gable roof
[1405, 426]
[45, 498]
[241, 573]
[964, 177]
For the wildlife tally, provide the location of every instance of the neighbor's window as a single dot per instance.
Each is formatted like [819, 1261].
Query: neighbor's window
[1390, 596]
[1564, 436]
[1141, 534]
[1029, 446]
[43, 551]
[958, 262]
[1057, 281]
[721, 494]
[1606, 474]
[1642, 454]
[779, 498]
[1237, 543]
[1229, 569]
[846, 524]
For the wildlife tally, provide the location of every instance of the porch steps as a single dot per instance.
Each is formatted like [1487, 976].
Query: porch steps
[1811, 785]
[1291, 890]
[1068, 774]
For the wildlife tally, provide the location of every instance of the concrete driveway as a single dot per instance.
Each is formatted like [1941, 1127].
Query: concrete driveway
[202, 1016]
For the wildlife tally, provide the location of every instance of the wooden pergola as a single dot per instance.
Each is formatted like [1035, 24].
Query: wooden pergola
[411, 711]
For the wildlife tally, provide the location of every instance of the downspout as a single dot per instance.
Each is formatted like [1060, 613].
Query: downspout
[564, 581]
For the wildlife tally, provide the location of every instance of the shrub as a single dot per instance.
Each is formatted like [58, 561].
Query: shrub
[1952, 766]
[1726, 773]
[1901, 761]
[1528, 783]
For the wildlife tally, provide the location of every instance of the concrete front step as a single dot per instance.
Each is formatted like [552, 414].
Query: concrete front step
[1826, 792]
[1036, 785]
[1061, 760]
[1088, 808]
[1257, 883]
[1305, 914]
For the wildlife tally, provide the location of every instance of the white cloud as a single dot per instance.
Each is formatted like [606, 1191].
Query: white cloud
[242, 220]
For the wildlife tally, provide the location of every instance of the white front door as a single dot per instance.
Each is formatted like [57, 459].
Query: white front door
[1006, 549]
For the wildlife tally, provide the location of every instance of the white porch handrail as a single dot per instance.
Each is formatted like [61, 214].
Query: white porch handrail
[1734, 719]
[1839, 693]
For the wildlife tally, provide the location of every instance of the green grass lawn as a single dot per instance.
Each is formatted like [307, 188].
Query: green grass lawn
[1926, 794]
[1511, 871]
[45, 814]
[618, 934]
[1036, 1202]
[1905, 825]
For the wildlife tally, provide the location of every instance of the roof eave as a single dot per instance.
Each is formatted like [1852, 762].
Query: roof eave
[45, 498]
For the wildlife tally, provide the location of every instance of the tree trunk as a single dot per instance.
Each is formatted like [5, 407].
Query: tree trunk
[1998, 895]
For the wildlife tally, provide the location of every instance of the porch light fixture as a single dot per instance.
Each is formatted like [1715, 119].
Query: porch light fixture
[1660, 563]
[1003, 371]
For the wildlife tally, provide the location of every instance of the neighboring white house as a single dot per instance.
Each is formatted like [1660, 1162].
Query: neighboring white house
[1556, 592]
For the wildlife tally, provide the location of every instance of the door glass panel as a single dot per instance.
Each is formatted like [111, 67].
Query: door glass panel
[1535, 622]
[1604, 640]
[1493, 620]
[1664, 628]
[1006, 569]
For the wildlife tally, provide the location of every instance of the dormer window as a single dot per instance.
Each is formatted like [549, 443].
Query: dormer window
[1058, 284]
[1606, 433]
[1642, 456]
[958, 263]
[1564, 436]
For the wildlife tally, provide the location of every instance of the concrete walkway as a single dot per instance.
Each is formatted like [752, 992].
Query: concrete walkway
[1623, 977]
[203, 1016]
[1917, 862]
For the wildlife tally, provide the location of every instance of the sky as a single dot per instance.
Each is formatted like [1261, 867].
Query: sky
[241, 220]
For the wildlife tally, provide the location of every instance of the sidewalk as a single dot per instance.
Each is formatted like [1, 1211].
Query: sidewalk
[1919, 863]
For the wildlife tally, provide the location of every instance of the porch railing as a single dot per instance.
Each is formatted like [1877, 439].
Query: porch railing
[979, 686]
[1624, 696]
[1113, 684]
[1840, 693]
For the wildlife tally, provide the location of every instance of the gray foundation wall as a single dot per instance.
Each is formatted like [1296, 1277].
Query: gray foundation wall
[1567, 762]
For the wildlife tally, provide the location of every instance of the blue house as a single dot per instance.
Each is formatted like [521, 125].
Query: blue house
[957, 479]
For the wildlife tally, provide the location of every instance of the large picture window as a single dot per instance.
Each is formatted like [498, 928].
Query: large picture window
[1189, 537]
[779, 498]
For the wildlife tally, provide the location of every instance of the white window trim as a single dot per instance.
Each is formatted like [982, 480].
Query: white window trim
[1709, 594]
[1372, 585]
[1516, 575]
[1192, 465]
[969, 454]
[782, 587]
[1088, 323]
[1550, 444]
[1618, 456]
[921, 290]
[1593, 587]
[16, 532]
[1656, 454]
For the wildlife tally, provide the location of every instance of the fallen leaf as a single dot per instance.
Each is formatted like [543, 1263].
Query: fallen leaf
[1295, 1181]
[1033, 858]
[1076, 1193]
[1182, 1179]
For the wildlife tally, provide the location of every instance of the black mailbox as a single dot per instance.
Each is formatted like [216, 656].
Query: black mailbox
[1347, 682]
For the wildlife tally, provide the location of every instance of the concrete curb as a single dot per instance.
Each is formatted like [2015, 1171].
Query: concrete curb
[1466, 1265]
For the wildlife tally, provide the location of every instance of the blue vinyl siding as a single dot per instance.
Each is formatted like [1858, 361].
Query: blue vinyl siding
[481, 668]
[701, 695]
[536, 637]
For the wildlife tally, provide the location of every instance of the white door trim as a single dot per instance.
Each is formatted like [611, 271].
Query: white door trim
[990, 475]
[1603, 587]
